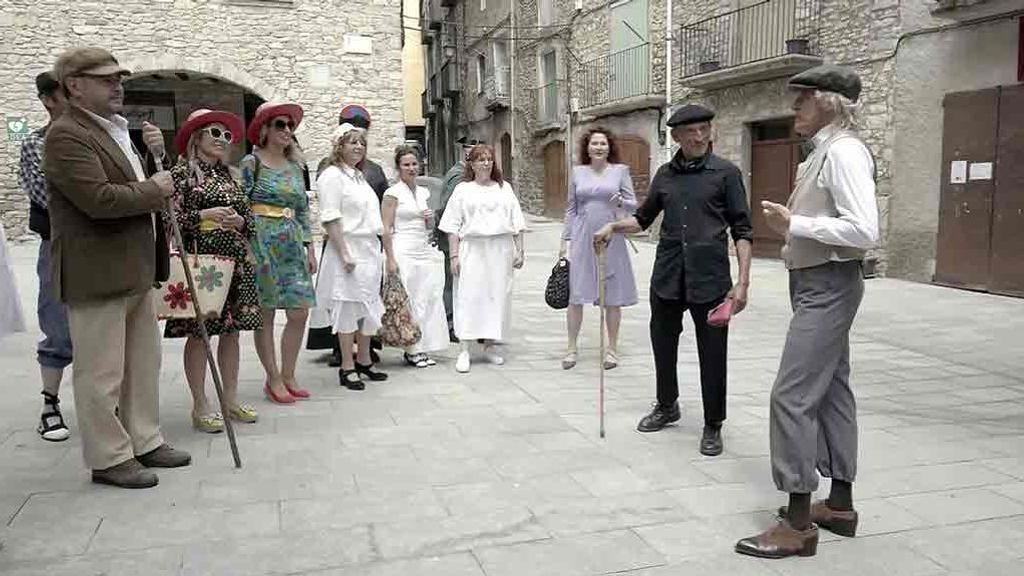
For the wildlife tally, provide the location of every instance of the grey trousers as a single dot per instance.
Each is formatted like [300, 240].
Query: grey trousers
[813, 411]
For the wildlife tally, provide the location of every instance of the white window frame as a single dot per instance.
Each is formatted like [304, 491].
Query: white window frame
[481, 72]
[545, 12]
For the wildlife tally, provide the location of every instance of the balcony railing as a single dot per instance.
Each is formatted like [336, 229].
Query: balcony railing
[624, 74]
[496, 88]
[762, 31]
[548, 103]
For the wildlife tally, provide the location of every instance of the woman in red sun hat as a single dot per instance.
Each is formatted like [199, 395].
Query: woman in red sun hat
[214, 216]
[285, 260]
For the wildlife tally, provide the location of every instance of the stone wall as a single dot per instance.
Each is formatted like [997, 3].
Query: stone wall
[281, 50]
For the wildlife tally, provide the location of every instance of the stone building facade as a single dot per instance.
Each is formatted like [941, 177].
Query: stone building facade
[589, 63]
[909, 54]
[229, 53]
[580, 63]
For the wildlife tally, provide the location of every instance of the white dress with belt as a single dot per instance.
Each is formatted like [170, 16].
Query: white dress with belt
[352, 299]
[485, 218]
[420, 266]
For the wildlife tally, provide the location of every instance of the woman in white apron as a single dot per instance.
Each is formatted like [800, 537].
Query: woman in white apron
[484, 224]
[351, 269]
[407, 222]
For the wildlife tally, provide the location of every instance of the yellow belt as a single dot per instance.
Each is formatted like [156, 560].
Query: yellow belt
[271, 211]
[209, 225]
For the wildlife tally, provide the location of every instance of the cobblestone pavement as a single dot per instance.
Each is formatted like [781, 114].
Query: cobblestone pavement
[501, 472]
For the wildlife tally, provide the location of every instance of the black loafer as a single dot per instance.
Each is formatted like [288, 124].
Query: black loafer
[350, 379]
[660, 417]
[711, 441]
[370, 373]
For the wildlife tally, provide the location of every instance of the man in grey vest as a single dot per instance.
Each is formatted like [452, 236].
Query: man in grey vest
[831, 219]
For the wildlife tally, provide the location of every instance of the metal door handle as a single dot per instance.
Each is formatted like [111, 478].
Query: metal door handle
[967, 210]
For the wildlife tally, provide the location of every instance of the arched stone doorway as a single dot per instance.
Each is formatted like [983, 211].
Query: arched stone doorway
[167, 97]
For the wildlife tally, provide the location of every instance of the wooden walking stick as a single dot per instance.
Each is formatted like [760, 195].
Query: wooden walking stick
[601, 263]
[200, 322]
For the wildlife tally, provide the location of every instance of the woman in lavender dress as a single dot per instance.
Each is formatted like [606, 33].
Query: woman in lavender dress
[601, 191]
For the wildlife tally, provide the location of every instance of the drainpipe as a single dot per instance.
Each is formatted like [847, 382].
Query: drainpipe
[668, 78]
[512, 85]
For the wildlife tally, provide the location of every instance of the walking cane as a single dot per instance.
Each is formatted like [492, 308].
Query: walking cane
[601, 262]
[214, 370]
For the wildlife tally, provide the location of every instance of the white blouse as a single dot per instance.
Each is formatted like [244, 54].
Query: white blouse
[476, 210]
[409, 210]
[345, 194]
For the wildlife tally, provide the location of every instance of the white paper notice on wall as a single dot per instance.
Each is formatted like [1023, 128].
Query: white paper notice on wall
[980, 171]
[958, 171]
[320, 76]
[355, 44]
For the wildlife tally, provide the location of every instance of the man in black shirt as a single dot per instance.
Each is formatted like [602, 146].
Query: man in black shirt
[701, 196]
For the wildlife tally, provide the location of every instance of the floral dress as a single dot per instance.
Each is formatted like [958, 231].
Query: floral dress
[279, 245]
[218, 189]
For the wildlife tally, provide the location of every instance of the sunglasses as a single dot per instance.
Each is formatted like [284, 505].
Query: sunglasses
[282, 124]
[218, 134]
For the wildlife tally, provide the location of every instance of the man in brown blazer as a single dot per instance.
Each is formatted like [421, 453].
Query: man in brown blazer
[108, 250]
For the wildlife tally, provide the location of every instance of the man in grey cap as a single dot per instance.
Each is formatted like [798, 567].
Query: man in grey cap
[702, 197]
[831, 219]
[108, 248]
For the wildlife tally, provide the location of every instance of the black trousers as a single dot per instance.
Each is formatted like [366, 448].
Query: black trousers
[712, 349]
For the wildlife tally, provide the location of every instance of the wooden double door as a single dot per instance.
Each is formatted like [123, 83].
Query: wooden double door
[981, 209]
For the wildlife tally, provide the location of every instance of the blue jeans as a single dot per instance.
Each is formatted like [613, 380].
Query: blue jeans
[54, 349]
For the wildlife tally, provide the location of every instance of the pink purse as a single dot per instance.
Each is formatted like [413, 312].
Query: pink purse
[720, 316]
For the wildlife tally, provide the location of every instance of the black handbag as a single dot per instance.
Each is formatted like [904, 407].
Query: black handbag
[556, 294]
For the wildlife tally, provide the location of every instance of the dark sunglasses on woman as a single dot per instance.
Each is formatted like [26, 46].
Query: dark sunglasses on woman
[282, 124]
[218, 134]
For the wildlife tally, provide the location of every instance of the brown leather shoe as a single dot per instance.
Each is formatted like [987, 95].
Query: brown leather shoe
[841, 522]
[127, 474]
[165, 457]
[781, 541]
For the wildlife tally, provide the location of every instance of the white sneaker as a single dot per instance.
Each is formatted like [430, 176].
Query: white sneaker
[492, 356]
[462, 362]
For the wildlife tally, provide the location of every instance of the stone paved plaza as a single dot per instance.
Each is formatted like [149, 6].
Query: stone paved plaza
[501, 472]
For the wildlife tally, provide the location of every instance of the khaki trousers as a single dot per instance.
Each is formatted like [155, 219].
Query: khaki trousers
[116, 378]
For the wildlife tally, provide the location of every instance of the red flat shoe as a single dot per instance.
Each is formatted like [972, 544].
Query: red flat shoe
[298, 393]
[285, 398]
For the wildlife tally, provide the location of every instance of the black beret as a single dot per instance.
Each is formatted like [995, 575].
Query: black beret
[46, 84]
[829, 78]
[690, 114]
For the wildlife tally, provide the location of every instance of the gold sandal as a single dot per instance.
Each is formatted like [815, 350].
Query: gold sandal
[211, 423]
[243, 413]
[611, 360]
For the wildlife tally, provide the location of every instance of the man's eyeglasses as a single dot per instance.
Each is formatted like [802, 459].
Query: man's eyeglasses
[218, 134]
[282, 124]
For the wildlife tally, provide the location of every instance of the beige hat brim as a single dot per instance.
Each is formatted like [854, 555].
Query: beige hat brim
[107, 70]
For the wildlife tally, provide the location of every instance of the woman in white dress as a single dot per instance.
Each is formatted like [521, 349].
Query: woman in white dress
[485, 226]
[351, 269]
[407, 221]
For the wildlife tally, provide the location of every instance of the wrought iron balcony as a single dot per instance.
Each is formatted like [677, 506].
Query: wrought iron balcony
[616, 77]
[764, 40]
[496, 88]
[427, 103]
